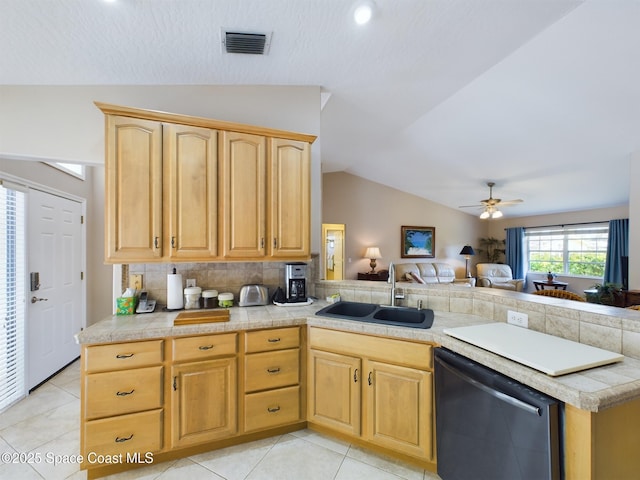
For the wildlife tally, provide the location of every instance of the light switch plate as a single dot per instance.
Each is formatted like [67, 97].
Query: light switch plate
[518, 319]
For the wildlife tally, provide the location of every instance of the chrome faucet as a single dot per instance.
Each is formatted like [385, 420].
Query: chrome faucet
[392, 281]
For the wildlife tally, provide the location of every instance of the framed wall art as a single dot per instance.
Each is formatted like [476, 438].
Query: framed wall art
[418, 242]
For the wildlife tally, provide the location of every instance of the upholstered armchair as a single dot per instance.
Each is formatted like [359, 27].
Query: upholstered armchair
[498, 275]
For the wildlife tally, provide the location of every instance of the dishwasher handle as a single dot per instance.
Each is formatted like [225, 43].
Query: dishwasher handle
[491, 391]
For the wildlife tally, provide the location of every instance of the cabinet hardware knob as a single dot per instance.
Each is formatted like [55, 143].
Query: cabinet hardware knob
[205, 347]
[124, 439]
[173, 242]
[355, 376]
[175, 383]
[275, 242]
[273, 370]
[369, 379]
[124, 355]
[155, 242]
[273, 410]
[273, 340]
[262, 242]
[124, 394]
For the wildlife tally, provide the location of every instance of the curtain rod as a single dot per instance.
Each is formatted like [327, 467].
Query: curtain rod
[567, 224]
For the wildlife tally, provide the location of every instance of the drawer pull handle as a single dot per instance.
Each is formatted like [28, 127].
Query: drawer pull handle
[369, 379]
[125, 439]
[273, 340]
[355, 376]
[273, 410]
[127, 355]
[205, 347]
[273, 370]
[124, 394]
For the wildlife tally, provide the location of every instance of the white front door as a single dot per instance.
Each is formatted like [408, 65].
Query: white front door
[55, 308]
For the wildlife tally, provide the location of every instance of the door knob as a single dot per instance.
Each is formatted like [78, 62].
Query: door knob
[36, 299]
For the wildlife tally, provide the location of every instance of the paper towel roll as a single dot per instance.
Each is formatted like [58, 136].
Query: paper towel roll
[175, 300]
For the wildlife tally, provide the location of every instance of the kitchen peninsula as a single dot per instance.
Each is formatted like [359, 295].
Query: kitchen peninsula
[602, 405]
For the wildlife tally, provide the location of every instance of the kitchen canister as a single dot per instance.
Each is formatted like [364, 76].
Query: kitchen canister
[192, 298]
[225, 300]
[209, 299]
[175, 300]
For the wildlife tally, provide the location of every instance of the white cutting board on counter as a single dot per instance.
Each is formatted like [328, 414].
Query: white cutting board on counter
[546, 353]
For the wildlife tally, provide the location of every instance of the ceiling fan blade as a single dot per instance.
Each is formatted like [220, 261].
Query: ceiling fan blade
[511, 202]
[470, 206]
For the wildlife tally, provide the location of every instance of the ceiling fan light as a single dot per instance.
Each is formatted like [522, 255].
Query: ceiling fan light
[485, 214]
[496, 214]
[363, 12]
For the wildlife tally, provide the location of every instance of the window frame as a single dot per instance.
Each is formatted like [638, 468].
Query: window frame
[566, 234]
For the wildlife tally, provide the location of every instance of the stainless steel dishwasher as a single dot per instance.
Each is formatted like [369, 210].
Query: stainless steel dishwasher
[490, 427]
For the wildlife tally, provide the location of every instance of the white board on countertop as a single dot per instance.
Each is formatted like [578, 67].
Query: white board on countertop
[546, 353]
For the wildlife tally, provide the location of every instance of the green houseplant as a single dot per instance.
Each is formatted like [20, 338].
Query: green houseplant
[492, 249]
[606, 294]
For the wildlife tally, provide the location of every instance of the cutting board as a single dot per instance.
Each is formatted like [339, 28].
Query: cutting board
[546, 353]
[207, 316]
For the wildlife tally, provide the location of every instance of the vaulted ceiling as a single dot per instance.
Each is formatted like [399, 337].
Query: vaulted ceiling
[433, 97]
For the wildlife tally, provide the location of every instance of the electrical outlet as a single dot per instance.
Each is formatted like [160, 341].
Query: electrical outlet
[517, 318]
[135, 281]
[191, 282]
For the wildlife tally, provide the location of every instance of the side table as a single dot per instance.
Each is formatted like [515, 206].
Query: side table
[380, 276]
[541, 284]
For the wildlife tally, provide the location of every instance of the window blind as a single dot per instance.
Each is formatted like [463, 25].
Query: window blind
[12, 294]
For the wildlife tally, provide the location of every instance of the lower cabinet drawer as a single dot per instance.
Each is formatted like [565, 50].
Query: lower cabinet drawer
[116, 393]
[272, 408]
[271, 370]
[136, 433]
[204, 347]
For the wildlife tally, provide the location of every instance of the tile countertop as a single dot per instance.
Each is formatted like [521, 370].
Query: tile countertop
[592, 390]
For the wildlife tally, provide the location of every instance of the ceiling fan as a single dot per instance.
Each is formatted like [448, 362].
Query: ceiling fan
[491, 204]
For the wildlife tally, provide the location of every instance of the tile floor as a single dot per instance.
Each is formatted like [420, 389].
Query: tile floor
[47, 422]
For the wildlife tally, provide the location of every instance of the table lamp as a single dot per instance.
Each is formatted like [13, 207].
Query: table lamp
[372, 253]
[467, 251]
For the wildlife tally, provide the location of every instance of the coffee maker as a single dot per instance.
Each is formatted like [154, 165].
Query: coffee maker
[296, 281]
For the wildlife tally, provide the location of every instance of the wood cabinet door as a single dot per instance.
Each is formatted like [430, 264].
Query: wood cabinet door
[243, 184]
[334, 396]
[289, 199]
[133, 178]
[190, 158]
[398, 412]
[203, 401]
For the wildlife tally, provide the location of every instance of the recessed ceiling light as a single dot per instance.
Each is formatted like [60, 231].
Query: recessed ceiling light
[363, 12]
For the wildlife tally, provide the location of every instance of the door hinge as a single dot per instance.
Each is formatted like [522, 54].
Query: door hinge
[81, 275]
[81, 219]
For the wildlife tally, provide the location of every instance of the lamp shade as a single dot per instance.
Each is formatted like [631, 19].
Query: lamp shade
[372, 252]
[467, 250]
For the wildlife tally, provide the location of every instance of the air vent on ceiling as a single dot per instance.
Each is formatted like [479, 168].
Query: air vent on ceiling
[245, 42]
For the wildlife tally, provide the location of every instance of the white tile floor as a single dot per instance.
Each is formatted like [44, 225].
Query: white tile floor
[48, 423]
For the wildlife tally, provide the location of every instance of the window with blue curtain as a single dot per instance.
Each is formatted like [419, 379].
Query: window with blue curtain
[514, 251]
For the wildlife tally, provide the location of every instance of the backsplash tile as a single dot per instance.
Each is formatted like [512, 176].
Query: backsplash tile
[220, 276]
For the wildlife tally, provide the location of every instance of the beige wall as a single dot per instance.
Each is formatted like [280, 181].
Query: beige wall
[374, 213]
[634, 222]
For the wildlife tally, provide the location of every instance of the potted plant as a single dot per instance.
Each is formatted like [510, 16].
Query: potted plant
[492, 249]
[606, 294]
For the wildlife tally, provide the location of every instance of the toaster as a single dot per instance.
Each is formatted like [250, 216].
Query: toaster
[252, 295]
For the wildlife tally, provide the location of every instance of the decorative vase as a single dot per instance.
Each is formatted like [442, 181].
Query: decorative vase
[550, 277]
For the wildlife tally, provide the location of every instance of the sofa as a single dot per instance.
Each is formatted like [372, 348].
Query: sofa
[498, 275]
[429, 273]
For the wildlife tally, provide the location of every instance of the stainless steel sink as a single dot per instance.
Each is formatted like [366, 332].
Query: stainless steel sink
[373, 313]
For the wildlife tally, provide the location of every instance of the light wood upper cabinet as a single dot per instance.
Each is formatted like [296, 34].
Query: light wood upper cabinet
[289, 198]
[182, 188]
[133, 206]
[243, 185]
[190, 192]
